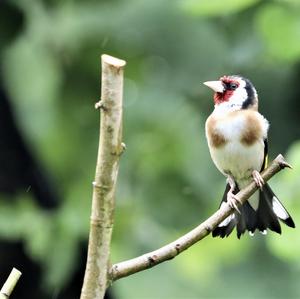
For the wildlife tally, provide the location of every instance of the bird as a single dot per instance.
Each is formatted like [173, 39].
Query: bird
[236, 134]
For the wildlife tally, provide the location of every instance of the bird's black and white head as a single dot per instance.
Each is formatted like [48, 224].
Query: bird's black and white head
[233, 93]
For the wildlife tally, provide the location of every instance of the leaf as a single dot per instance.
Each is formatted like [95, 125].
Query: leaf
[216, 7]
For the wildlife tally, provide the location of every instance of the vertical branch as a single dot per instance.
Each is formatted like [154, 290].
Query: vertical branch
[103, 202]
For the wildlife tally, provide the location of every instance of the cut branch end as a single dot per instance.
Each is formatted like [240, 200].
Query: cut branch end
[116, 62]
[10, 283]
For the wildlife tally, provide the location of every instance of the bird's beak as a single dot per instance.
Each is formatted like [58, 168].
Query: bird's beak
[216, 86]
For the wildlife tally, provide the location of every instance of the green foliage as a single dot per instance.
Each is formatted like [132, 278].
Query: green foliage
[281, 40]
[288, 184]
[167, 182]
[213, 8]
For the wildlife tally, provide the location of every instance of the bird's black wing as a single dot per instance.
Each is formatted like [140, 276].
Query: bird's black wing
[265, 161]
[225, 228]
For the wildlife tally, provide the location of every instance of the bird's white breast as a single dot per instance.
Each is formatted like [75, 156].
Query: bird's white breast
[235, 157]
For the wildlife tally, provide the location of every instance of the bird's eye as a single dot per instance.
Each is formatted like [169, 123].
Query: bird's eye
[232, 86]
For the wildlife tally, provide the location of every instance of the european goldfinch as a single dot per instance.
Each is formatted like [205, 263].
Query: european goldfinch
[237, 139]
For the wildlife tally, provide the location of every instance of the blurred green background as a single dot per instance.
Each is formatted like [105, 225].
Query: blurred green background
[167, 182]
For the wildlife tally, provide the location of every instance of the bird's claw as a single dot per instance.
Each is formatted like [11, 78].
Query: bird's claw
[259, 181]
[233, 201]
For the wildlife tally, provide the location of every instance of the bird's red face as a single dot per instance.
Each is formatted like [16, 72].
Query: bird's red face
[230, 85]
[224, 88]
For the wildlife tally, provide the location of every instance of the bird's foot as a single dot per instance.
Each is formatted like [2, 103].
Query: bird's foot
[259, 181]
[231, 182]
[233, 201]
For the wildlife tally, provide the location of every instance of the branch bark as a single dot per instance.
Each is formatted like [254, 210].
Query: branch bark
[171, 250]
[103, 201]
[10, 284]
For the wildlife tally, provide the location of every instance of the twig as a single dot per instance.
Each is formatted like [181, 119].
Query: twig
[103, 202]
[171, 250]
[10, 283]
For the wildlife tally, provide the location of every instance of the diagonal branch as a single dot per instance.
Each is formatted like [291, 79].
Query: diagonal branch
[174, 248]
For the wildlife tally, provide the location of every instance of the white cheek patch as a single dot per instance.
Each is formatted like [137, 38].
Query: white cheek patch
[278, 209]
[239, 96]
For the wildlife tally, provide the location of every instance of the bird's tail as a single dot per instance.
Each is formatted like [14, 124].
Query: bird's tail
[266, 216]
